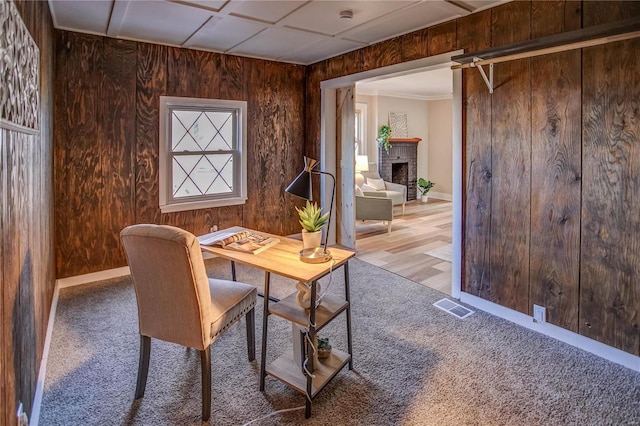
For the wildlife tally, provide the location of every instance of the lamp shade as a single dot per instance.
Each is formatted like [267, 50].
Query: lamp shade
[362, 163]
[301, 185]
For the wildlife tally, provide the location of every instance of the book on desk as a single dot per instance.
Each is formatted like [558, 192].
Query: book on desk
[244, 241]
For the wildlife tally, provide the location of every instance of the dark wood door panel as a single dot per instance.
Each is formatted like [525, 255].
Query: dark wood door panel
[610, 254]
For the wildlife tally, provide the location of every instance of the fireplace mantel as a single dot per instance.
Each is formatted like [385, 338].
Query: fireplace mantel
[400, 140]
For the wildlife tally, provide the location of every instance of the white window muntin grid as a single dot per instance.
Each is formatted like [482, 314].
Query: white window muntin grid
[237, 193]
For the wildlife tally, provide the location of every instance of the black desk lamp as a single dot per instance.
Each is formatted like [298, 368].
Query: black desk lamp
[301, 187]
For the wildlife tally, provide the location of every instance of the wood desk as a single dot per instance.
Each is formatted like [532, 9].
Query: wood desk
[283, 259]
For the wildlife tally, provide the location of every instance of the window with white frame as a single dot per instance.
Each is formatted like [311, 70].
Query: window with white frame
[361, 129]
[202, 153]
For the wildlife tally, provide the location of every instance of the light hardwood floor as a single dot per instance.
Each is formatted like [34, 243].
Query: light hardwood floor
[423, 229]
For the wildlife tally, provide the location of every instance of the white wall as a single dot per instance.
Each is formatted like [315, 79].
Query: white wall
[417, 124]
[439, 146]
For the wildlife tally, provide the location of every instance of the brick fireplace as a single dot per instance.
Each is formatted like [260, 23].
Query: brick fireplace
[400, 164]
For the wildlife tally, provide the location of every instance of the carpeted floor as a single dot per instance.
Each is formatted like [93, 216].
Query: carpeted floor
[413, 365]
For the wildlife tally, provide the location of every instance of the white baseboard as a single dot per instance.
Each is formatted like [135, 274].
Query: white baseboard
[92, 277]
[600, 349]
[42, 372]
[440, 196]
[103, 275]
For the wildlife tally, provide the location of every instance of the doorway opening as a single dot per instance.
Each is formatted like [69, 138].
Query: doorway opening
[332, 155]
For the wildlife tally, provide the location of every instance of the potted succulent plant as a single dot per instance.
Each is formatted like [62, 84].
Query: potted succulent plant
[312, 221]
[425, 186]
[383, 138]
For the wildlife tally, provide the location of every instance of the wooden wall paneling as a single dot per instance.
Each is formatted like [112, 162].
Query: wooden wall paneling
[474, 35]
[382, 54]
[312, 99]
[232, 80]
[151, 83]
[19, 322]
[85, 235]
[610, 254]
[556, 187]
[511, 163]
[61, 153]
[294, 140]
[10, 271]
[256, 157]
[555, 17]
[3, 374]
[601, 12]
[415, 45]
[44, 238]
[556, 169]
[232, 85]
[117, 117]
[270, 123]
[442, 38]
[23, 310]
[334, 67]
[351, 62]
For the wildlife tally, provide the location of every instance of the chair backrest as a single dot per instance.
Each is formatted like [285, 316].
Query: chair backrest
[171, 284]
[372, 172]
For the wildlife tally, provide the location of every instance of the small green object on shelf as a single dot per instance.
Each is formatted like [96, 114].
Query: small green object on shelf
[324, 348]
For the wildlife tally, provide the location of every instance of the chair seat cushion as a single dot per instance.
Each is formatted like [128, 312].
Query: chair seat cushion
[396, 197]
[230, 300]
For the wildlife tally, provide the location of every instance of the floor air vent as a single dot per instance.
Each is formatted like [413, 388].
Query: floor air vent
[453, 308]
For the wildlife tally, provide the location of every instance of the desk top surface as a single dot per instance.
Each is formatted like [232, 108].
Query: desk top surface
[283, 258]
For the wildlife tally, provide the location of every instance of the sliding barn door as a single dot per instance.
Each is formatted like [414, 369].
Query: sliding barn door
[345, 166]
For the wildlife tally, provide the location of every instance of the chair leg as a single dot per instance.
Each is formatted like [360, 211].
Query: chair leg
[402, 209]
[143, 365]
[251, 334]
[388, 227]
[205, 361]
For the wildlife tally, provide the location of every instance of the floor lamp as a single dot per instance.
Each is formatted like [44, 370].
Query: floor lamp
[301, 187]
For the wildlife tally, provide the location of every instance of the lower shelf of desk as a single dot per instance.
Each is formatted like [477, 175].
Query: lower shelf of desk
[286, 370]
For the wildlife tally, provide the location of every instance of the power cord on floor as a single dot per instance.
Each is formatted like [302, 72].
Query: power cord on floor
[274, 413]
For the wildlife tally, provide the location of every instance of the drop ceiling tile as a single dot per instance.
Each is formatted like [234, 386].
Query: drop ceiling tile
[275, 43]
[223, 32]
[214, 5]
[162, 22]
[320, 50]
[412, 18]
[265, 10]
[323, 16]
[90, 16]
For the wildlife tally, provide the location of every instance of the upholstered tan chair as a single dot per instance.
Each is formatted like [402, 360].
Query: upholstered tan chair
[374, 206]
[177, 302]
[395, 191]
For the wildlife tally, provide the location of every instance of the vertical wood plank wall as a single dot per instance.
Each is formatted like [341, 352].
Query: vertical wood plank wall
[577, 166]
[552, 163]
[26, 229]
[106, 141]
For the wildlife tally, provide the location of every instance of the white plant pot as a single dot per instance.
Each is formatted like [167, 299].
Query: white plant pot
[424, 198]
[311, 239]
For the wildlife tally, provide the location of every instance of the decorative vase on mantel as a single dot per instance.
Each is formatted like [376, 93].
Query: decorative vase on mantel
[311, 239]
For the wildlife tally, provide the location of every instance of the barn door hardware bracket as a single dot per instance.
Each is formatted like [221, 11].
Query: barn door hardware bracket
[487, 81]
